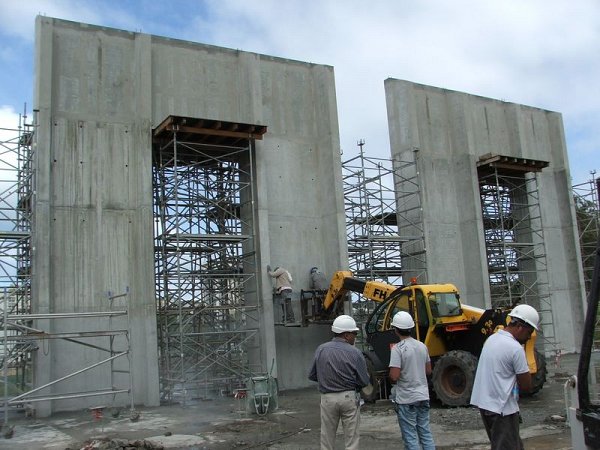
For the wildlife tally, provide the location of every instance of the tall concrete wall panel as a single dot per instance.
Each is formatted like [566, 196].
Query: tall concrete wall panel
[99, 93]
[450, 131]
[92, 212]
[298, 165]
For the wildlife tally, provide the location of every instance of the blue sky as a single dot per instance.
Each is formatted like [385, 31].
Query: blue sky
[541, 53]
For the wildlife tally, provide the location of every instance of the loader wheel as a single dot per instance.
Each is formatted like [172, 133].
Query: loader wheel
[370, 393]
[539, 378]
[453, 377]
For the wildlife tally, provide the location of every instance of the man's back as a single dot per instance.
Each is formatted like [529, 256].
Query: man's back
[339, 366]
[411, 356]
[501, 359]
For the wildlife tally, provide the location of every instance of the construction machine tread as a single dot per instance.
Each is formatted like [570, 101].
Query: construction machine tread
[453, 377]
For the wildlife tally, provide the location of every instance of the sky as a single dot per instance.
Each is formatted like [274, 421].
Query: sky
[540, 53]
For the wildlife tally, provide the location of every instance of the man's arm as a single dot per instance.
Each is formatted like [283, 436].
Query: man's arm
[312, 374]
[363, 373]
[524, 380]
[277, 272]
[520, 365]
[395, 363]
[428, 368]
[394, 374]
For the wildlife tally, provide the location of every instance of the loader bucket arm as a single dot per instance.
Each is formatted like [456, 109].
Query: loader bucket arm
[338, 288]
[342, 282]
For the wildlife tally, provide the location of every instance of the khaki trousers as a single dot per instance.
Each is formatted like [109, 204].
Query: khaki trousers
[338, 406]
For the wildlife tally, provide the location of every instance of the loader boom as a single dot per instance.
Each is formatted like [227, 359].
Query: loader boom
[342, 283]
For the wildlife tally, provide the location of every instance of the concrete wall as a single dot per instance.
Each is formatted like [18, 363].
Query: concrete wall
[99, 93]
[450, 131]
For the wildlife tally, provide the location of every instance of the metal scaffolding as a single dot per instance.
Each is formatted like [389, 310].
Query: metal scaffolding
[102, 331]
[383, 221]
[587, 210]
[514, 237]
[16, 191]
[206, 283]
[106, 332]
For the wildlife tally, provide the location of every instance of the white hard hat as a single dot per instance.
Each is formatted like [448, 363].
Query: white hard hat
[403, 321]
[343, 324]
[527, 314]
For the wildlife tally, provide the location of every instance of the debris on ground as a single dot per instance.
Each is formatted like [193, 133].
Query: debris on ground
[120, 444]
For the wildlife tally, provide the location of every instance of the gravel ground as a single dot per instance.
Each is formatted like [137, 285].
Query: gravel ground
[224, 424]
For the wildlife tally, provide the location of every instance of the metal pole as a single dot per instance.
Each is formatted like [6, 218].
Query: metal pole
[178, 266]
[129, 351]
[68, 376]
[5, 358]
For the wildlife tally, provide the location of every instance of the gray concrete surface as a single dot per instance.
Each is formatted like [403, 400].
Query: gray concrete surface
[224, 424]
[99, 92]
[448, 131]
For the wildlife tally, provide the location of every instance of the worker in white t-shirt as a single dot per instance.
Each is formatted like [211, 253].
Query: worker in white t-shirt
[502, 370]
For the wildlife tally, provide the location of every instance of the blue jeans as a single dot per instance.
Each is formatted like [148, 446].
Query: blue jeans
[414, 425]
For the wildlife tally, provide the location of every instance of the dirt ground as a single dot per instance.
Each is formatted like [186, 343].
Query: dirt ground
[224, 424]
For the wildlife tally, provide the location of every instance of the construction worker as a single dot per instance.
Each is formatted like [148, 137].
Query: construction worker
[341, 371]
[318, 282]
[283, 292]
[409, 367]
[502, 370]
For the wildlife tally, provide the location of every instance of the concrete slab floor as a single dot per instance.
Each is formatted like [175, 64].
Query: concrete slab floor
[224, 424]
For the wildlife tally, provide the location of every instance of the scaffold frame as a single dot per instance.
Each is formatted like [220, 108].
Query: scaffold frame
[383, 221]
[587, 209]
[514, 237]
[206, 283]
[16, 192]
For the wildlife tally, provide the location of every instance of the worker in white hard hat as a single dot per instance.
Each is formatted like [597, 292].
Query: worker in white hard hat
[409, 367]
[501, 372]
[341, 371]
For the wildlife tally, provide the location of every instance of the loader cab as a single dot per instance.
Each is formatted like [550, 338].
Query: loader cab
[444, 304]
[380, 334]
[429, 305]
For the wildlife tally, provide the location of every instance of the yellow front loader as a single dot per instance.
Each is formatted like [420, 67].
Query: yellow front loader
[453, 332]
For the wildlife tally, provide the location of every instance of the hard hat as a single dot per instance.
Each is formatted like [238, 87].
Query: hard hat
[343, 324]
[403, 321]
[314, 269]
[527, 314]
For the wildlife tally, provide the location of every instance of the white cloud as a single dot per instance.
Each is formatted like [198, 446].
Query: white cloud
[537, 52]
[9, 122]
[9, 134]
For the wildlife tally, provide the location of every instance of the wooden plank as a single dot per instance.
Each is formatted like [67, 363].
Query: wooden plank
[213, 132]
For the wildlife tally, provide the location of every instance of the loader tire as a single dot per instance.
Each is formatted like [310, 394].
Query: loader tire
[539, 378]
[453, 377]
[370, 393]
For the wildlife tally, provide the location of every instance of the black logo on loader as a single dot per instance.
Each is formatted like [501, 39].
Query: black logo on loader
[379, 293]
